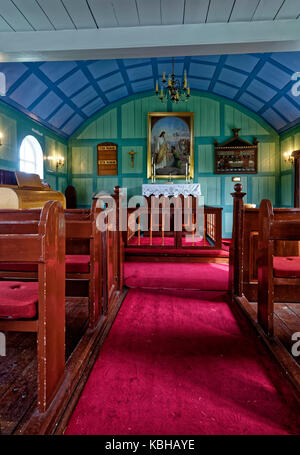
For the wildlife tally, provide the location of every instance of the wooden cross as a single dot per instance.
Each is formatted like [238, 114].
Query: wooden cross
[132, 153]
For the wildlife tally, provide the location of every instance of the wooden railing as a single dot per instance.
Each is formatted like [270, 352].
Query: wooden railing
[158, 232]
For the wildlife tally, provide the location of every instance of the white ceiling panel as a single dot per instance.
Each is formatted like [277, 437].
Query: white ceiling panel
[289, 10]
[149, 12]
[172, 11]
[57, 14]
[243, 10]
[4, 27]
[103, 13]
[126, 13]
[34, 14]
[14, 17]
[267, 10]
[80, 13]
[195, 11]
[219, 10]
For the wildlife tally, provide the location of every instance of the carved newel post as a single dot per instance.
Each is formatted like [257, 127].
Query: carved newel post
[119, 225]
[296, 156]
[236, 250]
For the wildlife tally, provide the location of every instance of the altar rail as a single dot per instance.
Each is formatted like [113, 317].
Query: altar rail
[211, 237]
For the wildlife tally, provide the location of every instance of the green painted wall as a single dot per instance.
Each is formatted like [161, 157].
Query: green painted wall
[15, 126]
[289, 142]
[125, 123]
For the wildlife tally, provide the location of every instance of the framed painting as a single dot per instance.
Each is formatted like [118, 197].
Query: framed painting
[236, 156]
[170, 145]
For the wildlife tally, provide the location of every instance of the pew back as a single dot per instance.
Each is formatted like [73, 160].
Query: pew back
[244, 249]
[273, 227]
[40, 239]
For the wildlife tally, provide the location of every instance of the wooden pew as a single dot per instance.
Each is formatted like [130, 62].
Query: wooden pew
[83, 258]
[244, 250]
[275, 271]
[37, 238]
[112, 247]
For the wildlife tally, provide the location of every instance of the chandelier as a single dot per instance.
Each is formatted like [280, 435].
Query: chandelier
[171, 89]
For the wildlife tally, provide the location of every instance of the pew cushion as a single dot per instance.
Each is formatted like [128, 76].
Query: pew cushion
[286, 267]
[75, 263]
[18, 300]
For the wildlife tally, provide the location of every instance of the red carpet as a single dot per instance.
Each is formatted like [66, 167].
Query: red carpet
[165, 275]
[176, 362]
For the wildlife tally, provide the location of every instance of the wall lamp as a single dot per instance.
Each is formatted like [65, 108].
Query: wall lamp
[288, 156]
[58, 161]
[1, 136]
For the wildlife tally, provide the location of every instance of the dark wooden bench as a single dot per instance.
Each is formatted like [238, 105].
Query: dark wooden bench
[112, 247]
[244, 251]
[275, 272]
[34, 238]
[83, 258]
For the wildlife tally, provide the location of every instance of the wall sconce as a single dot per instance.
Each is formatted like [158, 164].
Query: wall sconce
[59, 161]
[1, 136]
[236, 179]
[288, 156]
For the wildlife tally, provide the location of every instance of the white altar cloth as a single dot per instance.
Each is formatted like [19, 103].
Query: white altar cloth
[174, 189]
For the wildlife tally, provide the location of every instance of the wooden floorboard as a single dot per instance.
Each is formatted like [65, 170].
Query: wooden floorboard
[18, 369]
[286, 322]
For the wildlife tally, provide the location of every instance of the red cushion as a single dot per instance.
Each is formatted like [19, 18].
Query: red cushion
[286, 267]
[18, 300]
[75, 263]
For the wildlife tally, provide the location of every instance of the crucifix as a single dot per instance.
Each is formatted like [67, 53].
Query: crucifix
[132, 153]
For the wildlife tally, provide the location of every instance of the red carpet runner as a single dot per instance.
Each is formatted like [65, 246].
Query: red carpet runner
[166, 275]
[176, 362]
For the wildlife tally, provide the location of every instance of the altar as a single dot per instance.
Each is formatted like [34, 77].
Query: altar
[171, 189]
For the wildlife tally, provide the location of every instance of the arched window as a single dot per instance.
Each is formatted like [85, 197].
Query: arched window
[31, 156]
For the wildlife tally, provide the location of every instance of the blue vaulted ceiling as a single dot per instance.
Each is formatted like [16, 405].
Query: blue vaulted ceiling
[63, 95]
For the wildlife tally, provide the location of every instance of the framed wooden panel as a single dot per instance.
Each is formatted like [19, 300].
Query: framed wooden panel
[107, 158]
[236, 156]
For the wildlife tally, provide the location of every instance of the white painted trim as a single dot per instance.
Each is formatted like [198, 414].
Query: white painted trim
[151, 41]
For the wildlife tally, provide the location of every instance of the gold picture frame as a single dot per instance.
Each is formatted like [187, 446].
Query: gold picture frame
[170, 145]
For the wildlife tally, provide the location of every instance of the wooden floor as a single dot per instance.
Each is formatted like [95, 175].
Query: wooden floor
[286, 322]
[18, 370]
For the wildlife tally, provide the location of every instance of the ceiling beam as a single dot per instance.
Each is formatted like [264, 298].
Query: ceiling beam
[151, 41]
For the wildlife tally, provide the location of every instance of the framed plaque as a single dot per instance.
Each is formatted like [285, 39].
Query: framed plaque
[107, 158]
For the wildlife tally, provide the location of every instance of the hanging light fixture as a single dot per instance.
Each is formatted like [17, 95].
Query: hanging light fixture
[171, 89]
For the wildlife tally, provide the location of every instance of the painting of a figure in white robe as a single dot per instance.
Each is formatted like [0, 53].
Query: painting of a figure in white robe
[170, 144]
